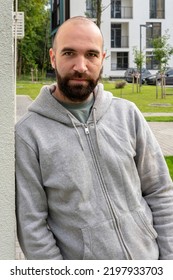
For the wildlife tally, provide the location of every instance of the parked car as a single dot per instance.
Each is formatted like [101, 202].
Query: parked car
[133, 72]
[151, 80]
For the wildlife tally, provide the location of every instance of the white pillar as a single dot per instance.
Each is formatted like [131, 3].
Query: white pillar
[7, 117]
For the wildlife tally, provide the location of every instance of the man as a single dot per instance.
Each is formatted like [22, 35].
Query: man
[91, 180]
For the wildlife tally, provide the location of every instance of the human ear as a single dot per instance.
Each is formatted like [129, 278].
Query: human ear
[52, 57]
[103, 55]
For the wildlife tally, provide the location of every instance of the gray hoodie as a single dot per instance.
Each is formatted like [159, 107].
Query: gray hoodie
[99, 190]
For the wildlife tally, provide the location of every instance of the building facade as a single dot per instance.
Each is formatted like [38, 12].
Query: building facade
[125, 24]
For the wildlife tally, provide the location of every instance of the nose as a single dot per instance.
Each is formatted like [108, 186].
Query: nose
[80, 64]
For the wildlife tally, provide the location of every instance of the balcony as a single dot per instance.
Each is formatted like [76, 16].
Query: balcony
[115, 66]
[120, 42]
[121, 12]
[157, 14]
[119, 60]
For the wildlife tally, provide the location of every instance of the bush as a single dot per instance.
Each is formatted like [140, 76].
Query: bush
[120, 84]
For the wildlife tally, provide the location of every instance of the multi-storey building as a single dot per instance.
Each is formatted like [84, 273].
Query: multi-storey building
[125, 24]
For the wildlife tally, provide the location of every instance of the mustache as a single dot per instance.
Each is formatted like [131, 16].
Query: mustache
[79, 75]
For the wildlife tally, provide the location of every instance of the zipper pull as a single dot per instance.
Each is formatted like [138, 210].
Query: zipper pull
[86, 129]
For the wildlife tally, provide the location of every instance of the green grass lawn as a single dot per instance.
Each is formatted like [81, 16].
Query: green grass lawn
[29, 88]
[169, 161]
[145, 100]
[159, 119]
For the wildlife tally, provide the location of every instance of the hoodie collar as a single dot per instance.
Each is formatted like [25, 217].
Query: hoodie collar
[46, 106]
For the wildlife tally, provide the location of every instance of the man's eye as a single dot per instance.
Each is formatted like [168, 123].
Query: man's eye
[68, 53]
[92, 55]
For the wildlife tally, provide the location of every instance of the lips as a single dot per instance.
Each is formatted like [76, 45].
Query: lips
[78, 76]
[79, 80]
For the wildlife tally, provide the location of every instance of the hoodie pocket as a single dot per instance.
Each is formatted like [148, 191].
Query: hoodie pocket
[145, 225]
[102, 242]
[139, 235]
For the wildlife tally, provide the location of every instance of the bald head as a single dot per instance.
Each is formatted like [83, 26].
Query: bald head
[77, 21]
[77, 57]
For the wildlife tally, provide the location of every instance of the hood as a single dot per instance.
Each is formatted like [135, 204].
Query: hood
[46, 105]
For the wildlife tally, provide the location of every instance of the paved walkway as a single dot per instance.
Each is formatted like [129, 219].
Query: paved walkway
[163, 132]
[158, 114]
[22, 103]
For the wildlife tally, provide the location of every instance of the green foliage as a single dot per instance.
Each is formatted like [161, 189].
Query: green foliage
[138, 58]
[33, 48]
[162, 50]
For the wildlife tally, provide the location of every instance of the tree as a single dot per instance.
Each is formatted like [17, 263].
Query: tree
[33, 48]
[139, 61]
[162, 52]
[96, 7]
[99, 12]
[138, 58]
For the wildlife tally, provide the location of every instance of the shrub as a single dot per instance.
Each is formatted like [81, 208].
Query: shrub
[120, 84]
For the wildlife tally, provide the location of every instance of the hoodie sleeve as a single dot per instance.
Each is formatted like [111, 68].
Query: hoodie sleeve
[35, 237]
[157, 186]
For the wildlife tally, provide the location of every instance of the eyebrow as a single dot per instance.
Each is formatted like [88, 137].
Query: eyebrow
[73, 50]
[67, 50]
[94, 51]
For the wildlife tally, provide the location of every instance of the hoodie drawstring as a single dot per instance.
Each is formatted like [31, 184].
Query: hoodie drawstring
[95, 127]
[78, 134]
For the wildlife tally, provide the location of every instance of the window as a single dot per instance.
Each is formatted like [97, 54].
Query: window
[157, 8]
[151, 62]
[55, 14]
[119, 61]
[117, 39]
[91, 8]
[122, 60]
[152, 32]
[116, 9]
[119, 11]
[116, 36]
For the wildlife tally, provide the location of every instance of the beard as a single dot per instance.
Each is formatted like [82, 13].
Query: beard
[76, 92]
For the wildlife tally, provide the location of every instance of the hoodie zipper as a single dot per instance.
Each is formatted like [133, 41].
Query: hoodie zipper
[105, 193]
[86, 129]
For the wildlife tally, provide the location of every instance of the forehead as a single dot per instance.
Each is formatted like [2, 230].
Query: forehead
[79, 35]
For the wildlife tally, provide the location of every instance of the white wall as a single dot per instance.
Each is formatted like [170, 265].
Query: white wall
[106, 31]
[7, 218]
[168, 24]
[77, 8]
